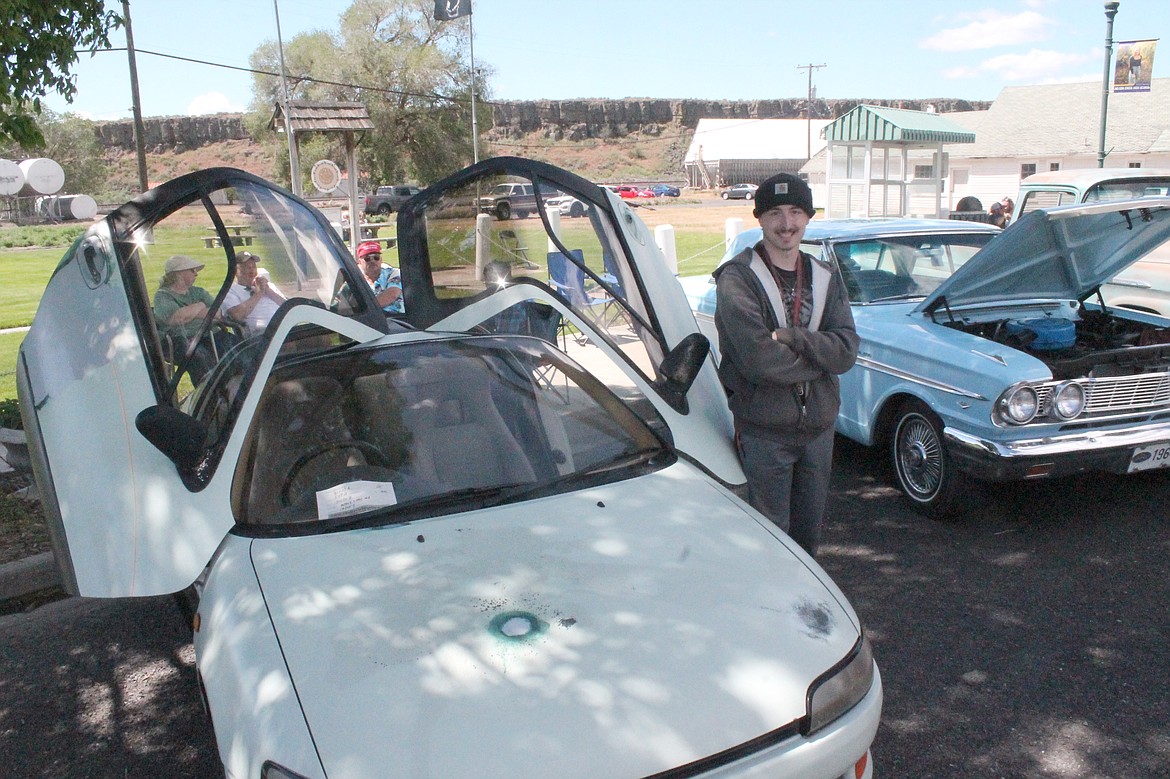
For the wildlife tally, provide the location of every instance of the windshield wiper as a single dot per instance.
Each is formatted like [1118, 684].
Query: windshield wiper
[429, 505]
[472, 498]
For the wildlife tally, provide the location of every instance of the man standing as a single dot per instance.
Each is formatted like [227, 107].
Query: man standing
[785, 332]
[252, 299]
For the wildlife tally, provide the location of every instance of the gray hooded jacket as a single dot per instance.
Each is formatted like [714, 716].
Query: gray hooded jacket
[784, 388]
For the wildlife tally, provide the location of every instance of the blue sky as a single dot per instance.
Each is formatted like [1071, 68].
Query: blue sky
[710, 49]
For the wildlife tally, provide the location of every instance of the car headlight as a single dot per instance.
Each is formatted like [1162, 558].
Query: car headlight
[1020, 405]
[838, 690]
[1068, 401]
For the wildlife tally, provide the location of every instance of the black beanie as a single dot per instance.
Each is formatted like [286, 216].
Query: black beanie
[784, 189]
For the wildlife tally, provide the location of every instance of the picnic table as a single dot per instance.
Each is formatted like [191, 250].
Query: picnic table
[369, 232]
[238, 237]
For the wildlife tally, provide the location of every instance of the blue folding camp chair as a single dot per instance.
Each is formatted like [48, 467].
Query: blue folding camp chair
[568, 279]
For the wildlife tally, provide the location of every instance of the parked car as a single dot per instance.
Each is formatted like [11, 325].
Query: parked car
[665, 190]
[567, 205]
[984, 355]
[739, 192]
[1143, 286]
[427, 545]
[627, 192]
[387, 200]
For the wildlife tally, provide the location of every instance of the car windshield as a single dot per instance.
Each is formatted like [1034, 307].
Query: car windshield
[398, 432]
[1128, 189]
[902, 266]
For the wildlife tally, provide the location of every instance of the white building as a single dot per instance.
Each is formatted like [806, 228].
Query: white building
[1033, 129]
[738, 151]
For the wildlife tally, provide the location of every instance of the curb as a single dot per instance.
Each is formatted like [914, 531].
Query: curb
[22, 578]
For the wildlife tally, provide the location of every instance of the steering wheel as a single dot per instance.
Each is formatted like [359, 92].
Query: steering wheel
[373, 454]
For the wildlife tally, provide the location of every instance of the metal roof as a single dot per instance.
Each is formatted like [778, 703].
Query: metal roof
[1052, 120]
[895, 125]
[755, 139]
[306, 116]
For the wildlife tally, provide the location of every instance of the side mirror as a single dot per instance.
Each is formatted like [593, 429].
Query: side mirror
[679, 368]
[177, 435]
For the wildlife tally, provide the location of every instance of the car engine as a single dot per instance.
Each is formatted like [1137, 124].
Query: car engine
[1096, 345]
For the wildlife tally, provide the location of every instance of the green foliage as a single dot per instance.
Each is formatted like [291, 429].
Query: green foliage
[10, 414]
[38, 42]
[412, 79]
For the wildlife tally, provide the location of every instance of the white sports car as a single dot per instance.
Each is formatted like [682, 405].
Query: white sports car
[435, 545]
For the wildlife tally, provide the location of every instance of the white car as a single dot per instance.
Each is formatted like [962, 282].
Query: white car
[566, 205]
[426, 546]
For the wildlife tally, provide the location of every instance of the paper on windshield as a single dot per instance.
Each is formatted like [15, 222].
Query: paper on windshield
[354, 497]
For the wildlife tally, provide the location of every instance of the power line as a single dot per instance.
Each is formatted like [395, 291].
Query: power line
[309, 79]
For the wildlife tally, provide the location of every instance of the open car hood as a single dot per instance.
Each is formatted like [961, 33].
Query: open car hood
[1059, 254]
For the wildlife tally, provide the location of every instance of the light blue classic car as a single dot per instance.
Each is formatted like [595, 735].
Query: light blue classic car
[990, 356]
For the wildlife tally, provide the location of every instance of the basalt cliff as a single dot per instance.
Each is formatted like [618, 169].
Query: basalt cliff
[571, 120]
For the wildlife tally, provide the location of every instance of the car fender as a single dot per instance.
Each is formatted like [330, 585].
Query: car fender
[956, 374]
[251, 698]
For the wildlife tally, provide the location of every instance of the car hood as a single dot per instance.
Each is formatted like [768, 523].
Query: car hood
[597, 626]
[1058, 254]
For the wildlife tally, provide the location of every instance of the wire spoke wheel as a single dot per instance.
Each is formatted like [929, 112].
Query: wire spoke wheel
[925, 473]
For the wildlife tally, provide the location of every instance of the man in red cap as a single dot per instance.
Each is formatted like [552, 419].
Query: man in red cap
[785, 333]
[385, 280]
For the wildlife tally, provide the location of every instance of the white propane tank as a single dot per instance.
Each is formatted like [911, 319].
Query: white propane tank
[67, 207]
[42, 176]
[11, 178]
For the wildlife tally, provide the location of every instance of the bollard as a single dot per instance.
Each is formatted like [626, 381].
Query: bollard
[483, 243]
[554, 222]
[731, 228]
[664, 237]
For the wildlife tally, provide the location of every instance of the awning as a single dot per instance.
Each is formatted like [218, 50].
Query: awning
[892, 125]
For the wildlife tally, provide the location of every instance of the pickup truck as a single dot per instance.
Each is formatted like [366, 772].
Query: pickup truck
[1143, 286]
[387, 200]
[504, 200]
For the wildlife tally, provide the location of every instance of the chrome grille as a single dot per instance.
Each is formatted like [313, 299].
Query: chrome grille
[1147, 392]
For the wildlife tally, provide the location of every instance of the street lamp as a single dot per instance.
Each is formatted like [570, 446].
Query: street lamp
[1110, 12]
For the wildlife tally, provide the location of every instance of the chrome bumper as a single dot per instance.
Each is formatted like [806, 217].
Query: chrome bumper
[1074, 452]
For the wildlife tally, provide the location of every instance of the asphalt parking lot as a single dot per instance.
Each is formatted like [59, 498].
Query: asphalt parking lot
[1030, 640]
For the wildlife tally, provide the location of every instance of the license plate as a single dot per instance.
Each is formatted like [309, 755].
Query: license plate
[1147, 458]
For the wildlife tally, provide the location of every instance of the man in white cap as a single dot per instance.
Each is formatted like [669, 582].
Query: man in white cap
[785, 332]
[252, 299]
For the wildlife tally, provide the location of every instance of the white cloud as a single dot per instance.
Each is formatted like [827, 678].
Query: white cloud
[213, 103]
[1037, 66]
[990, 30]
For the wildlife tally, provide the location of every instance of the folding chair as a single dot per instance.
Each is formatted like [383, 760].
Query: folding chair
[568, 279]
[514, 252]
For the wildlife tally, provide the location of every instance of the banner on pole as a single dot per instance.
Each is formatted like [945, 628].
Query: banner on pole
[1135, 66]
[445, 10]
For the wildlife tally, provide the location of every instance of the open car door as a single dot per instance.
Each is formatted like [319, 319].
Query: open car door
[596, 285]
[105, 390]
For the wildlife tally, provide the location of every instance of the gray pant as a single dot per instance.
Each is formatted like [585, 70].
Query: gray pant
[790, 484]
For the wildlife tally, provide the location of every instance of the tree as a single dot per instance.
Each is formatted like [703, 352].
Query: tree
[37, 49]
[405, 67]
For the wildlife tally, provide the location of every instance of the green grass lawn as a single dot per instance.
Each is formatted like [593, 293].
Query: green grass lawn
[25, 270]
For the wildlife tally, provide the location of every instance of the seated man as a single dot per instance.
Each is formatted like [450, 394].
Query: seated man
[252, 299]
[385, 280]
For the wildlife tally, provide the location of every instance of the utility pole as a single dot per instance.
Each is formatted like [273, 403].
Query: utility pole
[1110, 12]
[808, 106]
[139, 141]
[294, 163]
